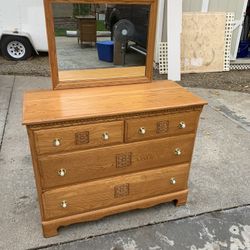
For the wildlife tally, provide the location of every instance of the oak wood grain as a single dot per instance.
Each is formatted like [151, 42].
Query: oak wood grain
[76, 84]
[103, 73]
[95, 81]
[93, 164]
[114, 191]
[64, 105]
[37, 176]
[69, 141]
[103, 179]
[160, 126]
[50, 227]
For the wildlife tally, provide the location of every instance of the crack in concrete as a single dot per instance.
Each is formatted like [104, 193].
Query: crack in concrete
[241, 120]
[134, 228]
[7, 113]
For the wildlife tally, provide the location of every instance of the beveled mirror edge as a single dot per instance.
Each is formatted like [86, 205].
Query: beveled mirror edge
[57, 84]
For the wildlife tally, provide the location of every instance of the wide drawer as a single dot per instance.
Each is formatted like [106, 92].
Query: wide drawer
[113, 191]
[78, 137]
[92, 164]
[159, 126]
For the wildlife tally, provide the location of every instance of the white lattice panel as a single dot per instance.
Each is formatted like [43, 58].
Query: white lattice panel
[240, 66]
[163, 58]
[228, 39]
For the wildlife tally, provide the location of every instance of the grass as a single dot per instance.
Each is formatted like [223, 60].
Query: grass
[62, 31]
[101, 26]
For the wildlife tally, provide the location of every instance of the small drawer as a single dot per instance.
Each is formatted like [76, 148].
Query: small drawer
[114, 191]
[82, 166]
[159, 126]
[56, 140]
[87, 21]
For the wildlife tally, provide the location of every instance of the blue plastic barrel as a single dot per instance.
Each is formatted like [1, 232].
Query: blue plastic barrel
[105, 50]
[243, 49]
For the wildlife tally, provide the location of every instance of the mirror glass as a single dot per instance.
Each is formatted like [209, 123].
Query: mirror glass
[95, 41]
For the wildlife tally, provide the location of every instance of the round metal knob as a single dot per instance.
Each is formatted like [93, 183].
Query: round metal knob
[182, 125]
[62, 172]
[56, 142]
[142, 131]
[173, 181]
[105, 136]
[178, 151]
[64, 204]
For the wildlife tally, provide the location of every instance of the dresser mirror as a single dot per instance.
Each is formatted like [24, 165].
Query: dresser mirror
[100, 43]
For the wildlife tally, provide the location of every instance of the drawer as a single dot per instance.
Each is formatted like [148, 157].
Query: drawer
[159, 126]
[56, 140]
[88, 28]
[87, 21]
[114, 191]
[69, 168]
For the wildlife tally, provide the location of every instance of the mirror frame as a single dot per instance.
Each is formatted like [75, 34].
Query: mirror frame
[67, 84]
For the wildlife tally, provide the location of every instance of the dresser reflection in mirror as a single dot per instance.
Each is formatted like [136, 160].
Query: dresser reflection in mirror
[99, 43]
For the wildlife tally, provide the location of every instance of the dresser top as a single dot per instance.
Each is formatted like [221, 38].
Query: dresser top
[72, 104]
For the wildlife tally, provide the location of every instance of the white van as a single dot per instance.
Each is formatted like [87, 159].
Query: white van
[22, 28]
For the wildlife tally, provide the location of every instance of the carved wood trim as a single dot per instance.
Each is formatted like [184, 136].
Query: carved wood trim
[82, 138]
[121, 190]
[124, 160]
[82, 121]
[162, 127]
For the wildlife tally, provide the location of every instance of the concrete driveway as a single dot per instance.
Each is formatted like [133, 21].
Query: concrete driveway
[71, 56]
[219, 177]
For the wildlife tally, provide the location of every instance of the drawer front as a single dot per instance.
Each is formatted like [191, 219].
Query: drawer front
[87, 21]
[92, 164]
[114, 191]
[89, 28]
[78, 137]
[159, 126]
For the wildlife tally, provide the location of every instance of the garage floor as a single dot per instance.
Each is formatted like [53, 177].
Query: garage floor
[219, 177]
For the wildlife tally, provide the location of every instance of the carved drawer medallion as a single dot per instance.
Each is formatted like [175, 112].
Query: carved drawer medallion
[70, 138]
[162, 127]
[124, 160]
[82, 138]
[121, 190]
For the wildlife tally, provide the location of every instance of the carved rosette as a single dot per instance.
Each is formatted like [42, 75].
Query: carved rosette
[121, 190]
[162, 127]
[82, 138]
[124, 160]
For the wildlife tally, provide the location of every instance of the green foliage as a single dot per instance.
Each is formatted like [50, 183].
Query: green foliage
[101, 26]
[60, 32]
[81, 9]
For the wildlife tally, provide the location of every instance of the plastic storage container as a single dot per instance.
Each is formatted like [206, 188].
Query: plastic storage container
[105, 50]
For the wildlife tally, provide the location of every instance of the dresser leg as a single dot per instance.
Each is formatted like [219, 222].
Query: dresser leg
[181, 200]
[49, 230]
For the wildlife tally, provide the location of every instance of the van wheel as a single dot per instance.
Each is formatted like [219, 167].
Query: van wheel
[16, 48]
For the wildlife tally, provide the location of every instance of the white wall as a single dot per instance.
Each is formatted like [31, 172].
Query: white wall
[174, 27]
[192, 5]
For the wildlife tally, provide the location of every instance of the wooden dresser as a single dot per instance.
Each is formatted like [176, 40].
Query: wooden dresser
[86, 29]
[101, 151]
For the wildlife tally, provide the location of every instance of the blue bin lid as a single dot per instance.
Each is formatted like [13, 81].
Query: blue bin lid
[106, 42]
